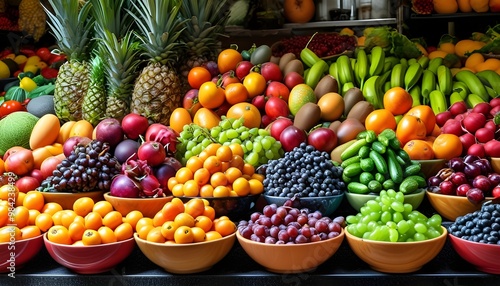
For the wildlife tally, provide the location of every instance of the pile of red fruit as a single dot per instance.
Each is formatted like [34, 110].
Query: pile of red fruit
[322, 44]
[470, 176]
[478, 128]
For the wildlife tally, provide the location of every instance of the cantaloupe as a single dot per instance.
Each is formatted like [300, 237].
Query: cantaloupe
[15, 130]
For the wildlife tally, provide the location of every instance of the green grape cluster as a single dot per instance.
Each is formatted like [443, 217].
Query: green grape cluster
[388, 218]
[258, 145]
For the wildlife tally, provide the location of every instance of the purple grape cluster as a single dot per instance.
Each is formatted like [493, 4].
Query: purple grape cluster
[289, 225]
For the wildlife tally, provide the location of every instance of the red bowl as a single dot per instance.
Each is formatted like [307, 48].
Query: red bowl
[90, 259]
[24, 251]
[482, 255]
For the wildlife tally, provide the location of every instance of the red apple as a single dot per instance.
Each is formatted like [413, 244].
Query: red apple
[259, 101]
[292, 79]
[37, 174]
[109, 130]
[49, 165]
[271, 71]
[277, 89]
[278, 125]
[276, 107]
[152, 152]
[27, 183]
[134, 125]
[243, 68]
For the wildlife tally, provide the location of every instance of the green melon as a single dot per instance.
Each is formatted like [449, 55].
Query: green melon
[300, 95]
[15, 130]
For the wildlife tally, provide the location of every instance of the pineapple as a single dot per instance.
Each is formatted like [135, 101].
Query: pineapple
[205, 23]
[72, 27]
[94, 102]
[121, 51]
[157, 90]
[32, 18]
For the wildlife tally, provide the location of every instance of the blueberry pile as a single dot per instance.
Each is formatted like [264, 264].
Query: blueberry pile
[480, 226]
[303, 172]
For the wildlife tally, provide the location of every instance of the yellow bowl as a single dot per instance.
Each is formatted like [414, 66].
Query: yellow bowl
[186, 258]
[451, 206]
[495, 164]
[359, 200]
[291, 258]
[66, 200]
[147, 206]
[431, 167]
[396, 257]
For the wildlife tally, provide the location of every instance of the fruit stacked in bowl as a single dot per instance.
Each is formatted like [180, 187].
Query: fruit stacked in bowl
[390, 236]
[462, 186]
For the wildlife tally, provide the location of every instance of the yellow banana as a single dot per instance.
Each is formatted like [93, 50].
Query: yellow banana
[438, 101]
[397, 75]
[455, 97]
[444, 78]
[490, 78]
[434, 64]
[412, 75]
[473, 99]
[344, 69]
[362, 66]
[415, 95]
[461, 88]
[372, 91]
[315, 73]
[424, 61]
[377, 61]
[428, 85]
[473, 83]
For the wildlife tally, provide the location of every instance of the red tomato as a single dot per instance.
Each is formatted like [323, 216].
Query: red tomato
[44, 54]
[10, 106]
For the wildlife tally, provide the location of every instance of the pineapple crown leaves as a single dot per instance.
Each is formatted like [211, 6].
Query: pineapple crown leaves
[72, 26]
[97, 69]
[159, 28]
[110, 15]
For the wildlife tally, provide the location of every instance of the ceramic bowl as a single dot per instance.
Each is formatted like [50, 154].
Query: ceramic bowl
[495, 164]
[326, 205]
[90, 259]
[186, 258]
[24, 251]
[431, 167]
[483, 256]
[396, 257]
[66, 200]
[147, 206]
[291, 258]
[233, 207]
[358, 200]
[450, 206]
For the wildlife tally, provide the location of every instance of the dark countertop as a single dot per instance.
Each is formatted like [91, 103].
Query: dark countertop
[344, 268]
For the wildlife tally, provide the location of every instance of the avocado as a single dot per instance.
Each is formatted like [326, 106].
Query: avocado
[41, 105]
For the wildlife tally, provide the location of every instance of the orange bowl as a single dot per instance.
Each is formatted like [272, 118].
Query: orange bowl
[147, 206]
[90, 259]
[396, 257]
[482, 255]
[186, 258]
[24, 250]
[495, 164]
[291, 258]
[431, 167]
[66, 200]
[450, 206]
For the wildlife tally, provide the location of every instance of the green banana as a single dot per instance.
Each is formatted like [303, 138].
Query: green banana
[412, 61]
[428, 84]
[434, 64]
[444, 78]
[397, 75]
[490, 78]
[377, 61]
[424, 61]
[412, 75]
[438, 101]
[455, 97]
[353, 63]
[461, 88]
[333, 71]
[473, 83]
[344, 69]
[315, 73]
[308, 57]
[415, 93]
[491, 92]
[389, 63]
[473, 99]
[362, 66]
[372, 91]
[346, 87]
[404, 62]
[387, 86]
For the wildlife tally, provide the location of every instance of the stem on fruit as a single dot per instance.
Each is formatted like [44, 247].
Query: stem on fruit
[311, 39]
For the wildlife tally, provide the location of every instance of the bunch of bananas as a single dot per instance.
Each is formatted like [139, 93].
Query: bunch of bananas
[429, 82]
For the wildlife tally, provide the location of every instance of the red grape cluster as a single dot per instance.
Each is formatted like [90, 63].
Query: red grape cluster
[289, 225]
[470, 176]
[322, 44]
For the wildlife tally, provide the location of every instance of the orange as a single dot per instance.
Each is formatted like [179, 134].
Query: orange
[397, 100]
[194, 163]
[102, 208]
[447, 146]
[236, 149]
[171, 209]
[59, 234]
[248, 169]
[194, 207]
[250, 113]
[237, 162]
[299, 14]
[30, 231]
[198, 234]
[168, 229]
[143, 222]
[212, 235]
[210, 95]
[242, 187]
[419, 150]
[76, 230]
[44, 221]
[107, 235]
[112, 219]
[466, 46]
[473, 60]
[212, 164]
[7, 231]
[179, 118]
[20, 199]
[124, 231]
[154, 235]
[224, 153]
[158, 219]
[256, 186]
[218, 179]
[83, 206]
[34, 200]
[93, 220]
[425, 113]
[184, 219]
[177, 190]
[207, 191]
[255, 84]
[447, 47]
[203, 222]
[228, 59]
[143, 231]
[445, 6]
[21, 216]
[32, 216]
[331, 105]
[206, 117]
[191, 188]
[133, 217]
[183, 175]
[8, 192]
[67, 217]
[201, 176]
[221, 191]
[209, 212]
[197, 76]
[235, 93]
[225, 227]
[183, 234]
[232, 173]
[91, 237]
[380, 119]
[4, 215]
[410, 127]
